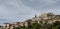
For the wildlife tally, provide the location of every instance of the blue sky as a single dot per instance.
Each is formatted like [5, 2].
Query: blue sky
[21, 10]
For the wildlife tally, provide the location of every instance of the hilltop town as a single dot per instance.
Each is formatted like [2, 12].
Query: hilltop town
[46, 18]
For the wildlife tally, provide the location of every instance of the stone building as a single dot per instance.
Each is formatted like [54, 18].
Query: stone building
[6, 25]
[16, 24]
[34, 19]
[27, 22]
[47, 18]
[22, 24]
[12, 27]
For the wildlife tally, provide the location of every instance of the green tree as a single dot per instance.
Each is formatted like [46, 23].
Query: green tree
[56, 25]
[35, 26]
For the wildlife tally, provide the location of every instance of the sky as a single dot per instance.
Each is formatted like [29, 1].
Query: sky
[21, 10]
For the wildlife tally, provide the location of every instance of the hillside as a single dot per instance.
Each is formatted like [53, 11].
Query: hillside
[43, 21]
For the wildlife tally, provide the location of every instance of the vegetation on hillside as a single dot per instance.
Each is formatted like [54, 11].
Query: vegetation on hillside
[44, 23]
[55, 25]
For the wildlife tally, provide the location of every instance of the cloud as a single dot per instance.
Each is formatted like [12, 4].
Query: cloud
[43, 5]
[15, 10]
[21, 10]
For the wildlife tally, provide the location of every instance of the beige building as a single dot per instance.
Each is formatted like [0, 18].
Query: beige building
[6, 25]
[22, 24]
[48, 18]
[26, 24]
[12, 27]
[16, 24]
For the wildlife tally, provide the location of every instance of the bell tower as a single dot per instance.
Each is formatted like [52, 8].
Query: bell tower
[35, 16]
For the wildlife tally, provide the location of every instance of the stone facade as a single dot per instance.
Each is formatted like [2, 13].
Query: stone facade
[26, 24]
[6, 25]
[48, 18]
[22, 24]
[16, 24]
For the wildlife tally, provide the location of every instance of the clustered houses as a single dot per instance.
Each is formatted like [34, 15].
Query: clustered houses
[47, 18]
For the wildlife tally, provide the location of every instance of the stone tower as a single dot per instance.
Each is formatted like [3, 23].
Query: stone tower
[35, 16]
